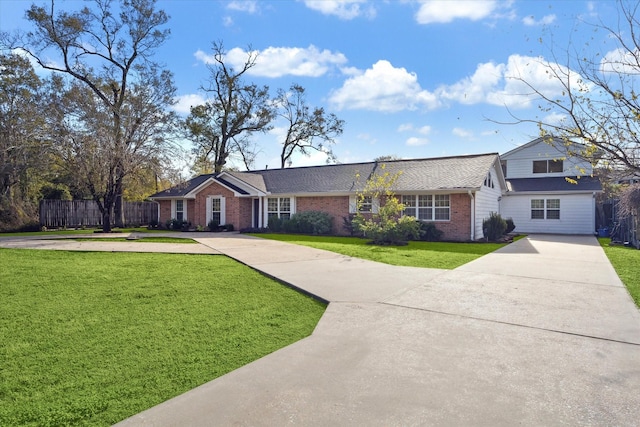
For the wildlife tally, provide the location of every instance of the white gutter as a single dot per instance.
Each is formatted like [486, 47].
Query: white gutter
[473, 215]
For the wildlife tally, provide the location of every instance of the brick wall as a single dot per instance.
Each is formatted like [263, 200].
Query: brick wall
[239, 211]
[336, 206]
[459, 226]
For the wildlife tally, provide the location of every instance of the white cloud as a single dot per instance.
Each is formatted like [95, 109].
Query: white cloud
[462, 133]
[511, 84]
[383, 88]
[185, 102]
[475, 89]
[620, 61]
[405, 127]
[416, 142]
[343, 9]
[281, 61]
[249, 6]
[227, 21]
[424, 130]
[437, 11]
[531, 21]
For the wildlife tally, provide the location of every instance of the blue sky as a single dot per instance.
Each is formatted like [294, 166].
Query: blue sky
[413, 79]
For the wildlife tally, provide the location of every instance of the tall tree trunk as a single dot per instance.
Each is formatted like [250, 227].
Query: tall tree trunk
[118, 209]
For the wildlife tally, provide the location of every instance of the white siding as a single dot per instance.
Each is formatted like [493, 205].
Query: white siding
[577, 213]
[520, 163]
[487, 200]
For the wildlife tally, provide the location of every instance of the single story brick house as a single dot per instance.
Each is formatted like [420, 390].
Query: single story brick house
[456, 193]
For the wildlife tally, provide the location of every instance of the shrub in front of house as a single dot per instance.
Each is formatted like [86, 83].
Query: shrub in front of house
[428, 232]
[309, 222]
[388, 231]
[277, 225]
[175, 224]
[510, 225]
[494, 227]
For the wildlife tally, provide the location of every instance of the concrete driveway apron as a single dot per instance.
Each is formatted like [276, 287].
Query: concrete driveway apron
[541, 332]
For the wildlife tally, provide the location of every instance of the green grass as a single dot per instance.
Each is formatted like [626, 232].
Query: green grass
[626, 261]
[445, 255]
[144, 239]
[90, 338]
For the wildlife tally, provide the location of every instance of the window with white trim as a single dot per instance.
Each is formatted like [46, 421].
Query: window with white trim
[365, 204]
[180, 210]
[427, 207]
[279, 207]
[216, 210]
[545, 208]
[548, 166]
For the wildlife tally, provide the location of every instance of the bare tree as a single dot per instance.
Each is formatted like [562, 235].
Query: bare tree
[600, 104]
[307, 129]
[223, 125]
[106, 49]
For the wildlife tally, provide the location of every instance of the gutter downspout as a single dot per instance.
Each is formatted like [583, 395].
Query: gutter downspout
[473, 215]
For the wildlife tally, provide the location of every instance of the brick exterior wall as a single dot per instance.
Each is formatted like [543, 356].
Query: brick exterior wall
[459, 226]
[239, 211]
[336, 206]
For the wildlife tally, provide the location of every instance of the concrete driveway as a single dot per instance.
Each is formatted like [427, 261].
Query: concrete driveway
[541, 332]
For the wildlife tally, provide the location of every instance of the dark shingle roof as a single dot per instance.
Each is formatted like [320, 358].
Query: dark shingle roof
[552, 184]
[184, 188]
[443, 173]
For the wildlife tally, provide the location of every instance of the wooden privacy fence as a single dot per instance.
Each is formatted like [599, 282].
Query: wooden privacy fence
[85, 213]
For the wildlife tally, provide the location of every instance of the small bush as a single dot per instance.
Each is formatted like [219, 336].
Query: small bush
[310, 222]
[494, 227]
[228, 227]
[510, 226]
[213, 225]
[389, 232]
[277, 225]
[153, 223]
[428, 232]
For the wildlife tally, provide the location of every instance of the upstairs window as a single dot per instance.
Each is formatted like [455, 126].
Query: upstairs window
[548, 166]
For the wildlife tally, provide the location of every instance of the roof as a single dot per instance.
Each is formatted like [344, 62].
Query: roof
[442, 173]
[183, 189]
[554, 184]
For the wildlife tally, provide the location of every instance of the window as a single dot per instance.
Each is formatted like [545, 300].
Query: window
[279, 207]
[441, 211]
[553, 208]
[537, 209]
[545, 209]
[216, 210]
[366, 204]
[548, 166]
[488, 181]
[427, 207]
[180, 210]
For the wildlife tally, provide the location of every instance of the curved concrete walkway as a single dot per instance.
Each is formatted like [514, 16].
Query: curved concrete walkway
[541, 332]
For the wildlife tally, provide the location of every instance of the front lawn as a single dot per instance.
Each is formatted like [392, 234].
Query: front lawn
[626, 261]
[90, 338]
[445, 255]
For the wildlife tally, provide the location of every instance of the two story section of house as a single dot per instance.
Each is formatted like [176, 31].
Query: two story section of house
[550, 189]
